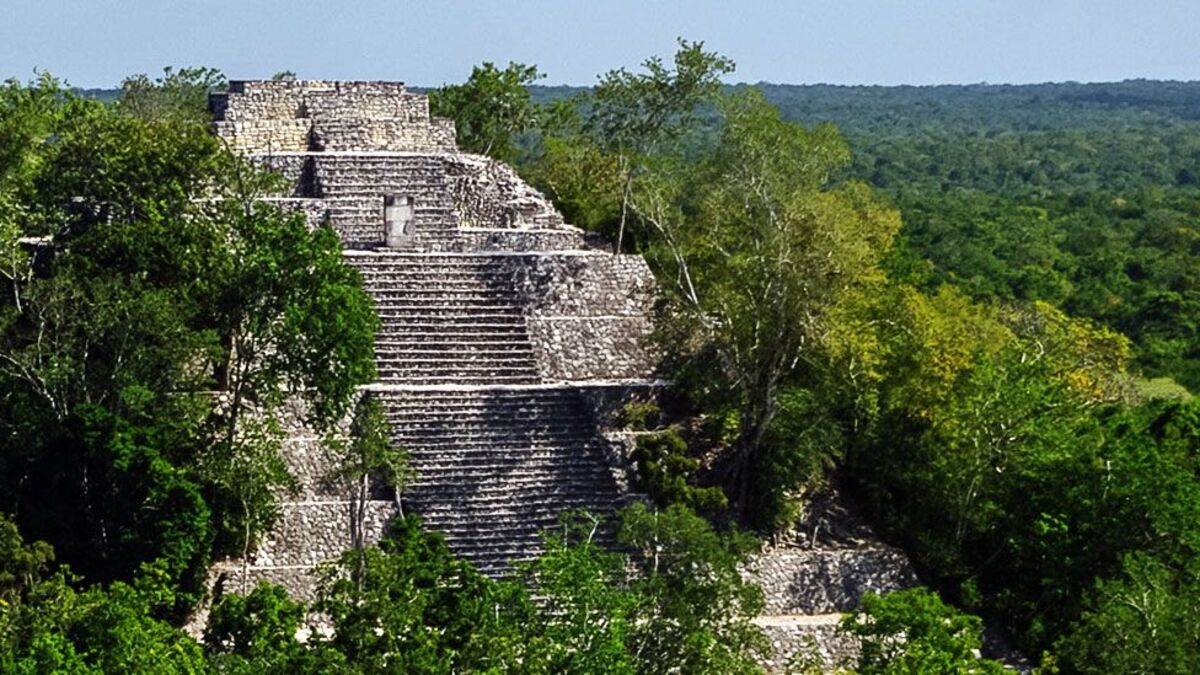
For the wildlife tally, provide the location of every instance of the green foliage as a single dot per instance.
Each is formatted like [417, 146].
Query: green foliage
[369, 454]
[1125, 260]
[1144, 621]
[54, 628]
[153, 281]
[585, 182]
[591, 609]
[1017, 495]
[490, 109]
[21, 565]
[634, 114]
[640, 415]
[665, 472]
[755, 249]
[257, 633]
[180, 95]
[407, 605]
[913, 631]
[589, 161]
[698, 608]
[373, 447]
[679, 603]
[801, 447]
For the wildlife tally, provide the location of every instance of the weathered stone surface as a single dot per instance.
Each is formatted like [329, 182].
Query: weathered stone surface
[807, 641]
[296, 116]
[490, 194]
[817, 572]
[322, 527]
[828, 580]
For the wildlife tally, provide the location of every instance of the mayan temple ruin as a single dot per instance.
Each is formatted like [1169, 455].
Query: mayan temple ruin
[508, 341]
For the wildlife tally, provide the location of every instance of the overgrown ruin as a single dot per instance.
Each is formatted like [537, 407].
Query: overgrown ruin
[507, 344]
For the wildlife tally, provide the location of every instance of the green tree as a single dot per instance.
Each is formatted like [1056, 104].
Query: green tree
[51, 627]
[257, 633]
[490, 109]
[179, 94]
[406, 605]
[591, 608]
[754, 249]
[1143, 622]
[140, 277]
[913, 631]
[370, 453]
[22, 565]
[635, 117]
[696, 611]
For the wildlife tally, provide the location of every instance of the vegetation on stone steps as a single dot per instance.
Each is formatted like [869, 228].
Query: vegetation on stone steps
[408, 605]
[664, 463]
[367, 456]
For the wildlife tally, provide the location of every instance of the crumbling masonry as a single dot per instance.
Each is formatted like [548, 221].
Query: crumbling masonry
[507, 342]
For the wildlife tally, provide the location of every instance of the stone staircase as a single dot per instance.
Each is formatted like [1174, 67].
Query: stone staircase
[499, 454]
[498, 465]
[344, 179]
[446, 319]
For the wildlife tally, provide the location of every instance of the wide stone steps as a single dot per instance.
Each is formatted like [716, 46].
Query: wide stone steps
[450, 285]
[516, 417]
[399, 268]
[464, 334]
[481, 445]
[464, 366]
[454, 376]
[399, 265]
[496, 467]
[394, 345]
[459, 363]
[457, 295]
[410, 306]
[542, 467]
[515, 354]
[441, 416]
[515, 483]
[501, 352]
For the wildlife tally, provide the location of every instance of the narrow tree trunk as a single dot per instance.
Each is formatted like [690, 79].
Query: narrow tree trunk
[245, 545]
[626, 189]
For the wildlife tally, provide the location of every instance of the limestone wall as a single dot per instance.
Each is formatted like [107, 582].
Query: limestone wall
[264, 117]
[560, 239]
[827, 580]
[488, 193]
[342, 135]
[588, 315]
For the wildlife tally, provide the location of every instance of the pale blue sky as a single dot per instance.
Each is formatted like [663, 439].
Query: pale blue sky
[94, 43]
